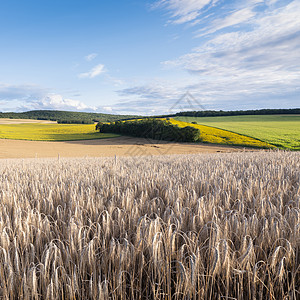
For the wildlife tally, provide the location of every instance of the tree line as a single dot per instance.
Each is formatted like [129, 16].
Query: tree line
[221, 113]
[151, 128]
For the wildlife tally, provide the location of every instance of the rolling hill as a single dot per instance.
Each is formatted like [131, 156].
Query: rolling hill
[58, 115]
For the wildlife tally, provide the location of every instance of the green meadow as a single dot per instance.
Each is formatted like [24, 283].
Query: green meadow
[51, 132]
[282, 131]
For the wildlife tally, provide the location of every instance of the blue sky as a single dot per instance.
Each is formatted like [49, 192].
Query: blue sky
[141, 57]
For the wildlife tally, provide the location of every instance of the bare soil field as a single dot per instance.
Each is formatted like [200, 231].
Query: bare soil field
[22, 121]
[120, 146]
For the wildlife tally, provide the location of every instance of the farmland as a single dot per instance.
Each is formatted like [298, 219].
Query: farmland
[208, 226]
[51, 132]
[246, 131]
[37, 138]
[279, 130]
[42, 131]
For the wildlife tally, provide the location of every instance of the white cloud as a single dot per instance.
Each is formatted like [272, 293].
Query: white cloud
[271, 2]
[58, 102]
[91, 56]
[97, 70]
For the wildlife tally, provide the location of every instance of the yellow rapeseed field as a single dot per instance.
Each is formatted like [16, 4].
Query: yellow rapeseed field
[51, 132]
[218, 136]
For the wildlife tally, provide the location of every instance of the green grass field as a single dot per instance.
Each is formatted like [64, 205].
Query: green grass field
[279, 130]
[51, 132]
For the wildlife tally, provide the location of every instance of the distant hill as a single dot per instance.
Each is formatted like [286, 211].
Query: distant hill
[65, 116]
[86, 118]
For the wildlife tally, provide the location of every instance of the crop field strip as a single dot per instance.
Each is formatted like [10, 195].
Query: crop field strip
[280, 130]
[215, 226]
[24, 121]
[51, 132]
[213, 135]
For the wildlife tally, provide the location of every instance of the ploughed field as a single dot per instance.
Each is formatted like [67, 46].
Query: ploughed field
[210, 226]
[120, 146]
[279, 130]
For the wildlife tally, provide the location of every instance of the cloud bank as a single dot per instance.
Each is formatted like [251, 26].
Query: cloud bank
[248, 56]
[29, 97]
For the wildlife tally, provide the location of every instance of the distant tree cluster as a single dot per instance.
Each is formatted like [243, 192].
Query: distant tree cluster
[151, 128]
[215, 113]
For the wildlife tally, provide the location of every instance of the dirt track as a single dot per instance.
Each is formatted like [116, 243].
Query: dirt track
[106, 147]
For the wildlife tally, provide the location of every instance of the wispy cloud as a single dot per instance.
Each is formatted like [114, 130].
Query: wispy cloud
[94, 72]
[182, 11]
[20, 92]
[159, 98]
[237, 17]
[154, 90]
[212, 15]
[271, 47]
[91, 56]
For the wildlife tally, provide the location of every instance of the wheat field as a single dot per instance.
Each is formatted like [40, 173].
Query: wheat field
[209, 226]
